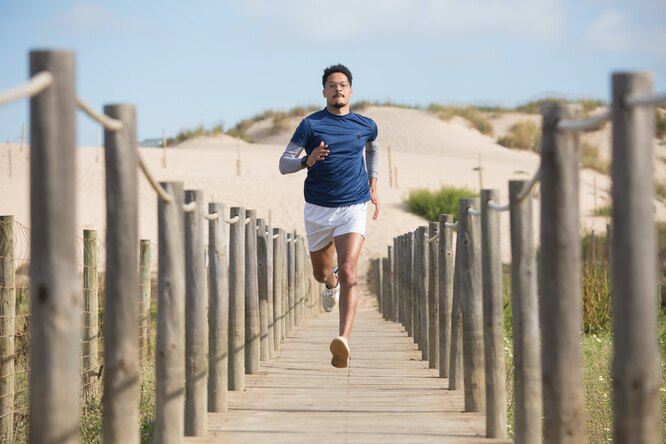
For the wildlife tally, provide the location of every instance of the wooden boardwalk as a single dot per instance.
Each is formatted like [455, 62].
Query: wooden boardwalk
[387, 395]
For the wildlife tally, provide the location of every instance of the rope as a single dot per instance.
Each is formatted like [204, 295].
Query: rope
[232, 220]
[115, 126]
[106, 121]
[453, 225]
[497, 207]
[38, 83]
[583, 124]
[189, 207]
[247, 220]
[473, 212]
[432, 239]
[652, 99]
[529, 185]
[212, 216]
[275, 236]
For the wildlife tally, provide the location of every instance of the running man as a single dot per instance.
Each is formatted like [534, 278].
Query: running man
[337, 189]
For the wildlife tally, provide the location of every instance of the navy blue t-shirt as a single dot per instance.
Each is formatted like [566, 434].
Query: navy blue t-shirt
[341, 179]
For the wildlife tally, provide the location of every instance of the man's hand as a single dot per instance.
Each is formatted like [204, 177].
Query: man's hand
[373, 197]
[317, 154]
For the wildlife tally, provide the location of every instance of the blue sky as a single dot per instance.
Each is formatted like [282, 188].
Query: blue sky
[207, 62]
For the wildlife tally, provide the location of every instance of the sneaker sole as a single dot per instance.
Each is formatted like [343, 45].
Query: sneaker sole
[340, 354]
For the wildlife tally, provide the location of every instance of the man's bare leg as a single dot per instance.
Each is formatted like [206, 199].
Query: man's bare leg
[322, 265]
[348, 247]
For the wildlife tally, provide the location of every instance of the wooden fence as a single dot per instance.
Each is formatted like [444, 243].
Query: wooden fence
[254, 286]
[453, 307]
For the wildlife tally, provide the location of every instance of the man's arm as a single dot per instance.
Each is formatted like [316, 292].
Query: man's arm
[372, 164]
[289, 161]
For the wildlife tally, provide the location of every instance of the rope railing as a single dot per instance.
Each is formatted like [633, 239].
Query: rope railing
[497, 207]
[232, 220]
[211, 216]
[117, 126]
[651, 99]
[432, 238]
[37, 84]
[584, 124]
[189, 207]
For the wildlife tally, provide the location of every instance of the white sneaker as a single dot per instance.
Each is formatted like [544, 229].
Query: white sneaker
[340, 351]
[330, 296]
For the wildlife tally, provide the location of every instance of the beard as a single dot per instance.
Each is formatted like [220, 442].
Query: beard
[339, 102]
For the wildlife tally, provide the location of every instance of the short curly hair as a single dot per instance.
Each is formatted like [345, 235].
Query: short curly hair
[339, 67]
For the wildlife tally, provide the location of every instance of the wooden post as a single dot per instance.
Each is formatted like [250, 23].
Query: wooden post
[278, 265]
[144, 299]
[636, 364]
[268, 236]
[196, 338]
[563, 398]
[90, 312]
[525, 320]
[8, 326]
[55, 328]
[291, 272]
[386, 286]
[298, 280]
[456, 380]
[262, 277]
[409, 290]
[493, 318]
[390, 279]
[445, 291]
[421, 275]
[433, 298]
[237, 300]
[170, 338]
[252, 329]
[285, 286]
[218, 310]
[376, 270]
[120, 418]
[469, 230]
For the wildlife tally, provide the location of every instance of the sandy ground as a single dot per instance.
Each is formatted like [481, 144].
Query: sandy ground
[425, 152]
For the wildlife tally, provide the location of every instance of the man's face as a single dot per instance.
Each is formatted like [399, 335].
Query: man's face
[337, 90]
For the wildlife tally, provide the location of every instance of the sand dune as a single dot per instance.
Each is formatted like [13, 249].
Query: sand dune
[425, 151]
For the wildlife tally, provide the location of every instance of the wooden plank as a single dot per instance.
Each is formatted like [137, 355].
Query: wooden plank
[387, 395]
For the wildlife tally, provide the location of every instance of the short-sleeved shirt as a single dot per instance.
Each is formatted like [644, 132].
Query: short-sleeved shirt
[341, 179]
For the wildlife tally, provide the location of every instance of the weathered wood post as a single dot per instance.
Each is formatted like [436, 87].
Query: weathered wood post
[393, 260]
[144, 299]
[493, 317]
[170, 337]
[376, 272]
[252, 329]
[218, 310]
[7, 324]
[386, 286]
[55, 302]
[284, 316]
[525, 319]
[433, 296]
[445, 264]
[410, 289]
[237, 299]
[563, 399]
[298, 280]
[268, 236]
[291, 273]
[469, 231]
[636, 364]
[278, 265]
[90, 349]
[120, 416]
[262, 289]
[196, 337]
[421, 276]
[456, 380]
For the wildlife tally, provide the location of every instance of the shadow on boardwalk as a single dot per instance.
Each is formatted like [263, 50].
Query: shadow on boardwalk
[387, 395]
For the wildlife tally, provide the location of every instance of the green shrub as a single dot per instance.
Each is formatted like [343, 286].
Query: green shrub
[474, 116]
[430, 204]
[534, 107]
[522, 135]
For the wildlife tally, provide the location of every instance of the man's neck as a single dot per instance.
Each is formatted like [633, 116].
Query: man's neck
[338, 111]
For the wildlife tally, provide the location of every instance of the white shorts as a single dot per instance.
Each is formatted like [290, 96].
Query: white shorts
[322, 224]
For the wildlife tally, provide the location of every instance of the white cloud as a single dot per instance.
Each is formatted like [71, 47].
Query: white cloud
[94, 18]
[346, 20]
[616, 31]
